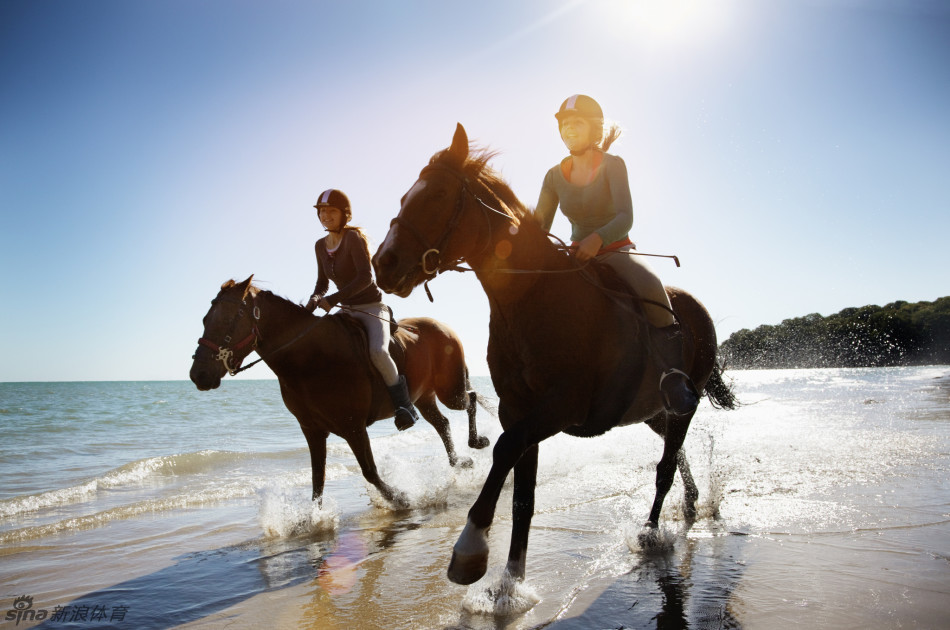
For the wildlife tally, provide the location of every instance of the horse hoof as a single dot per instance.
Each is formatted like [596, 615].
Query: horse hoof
[399, 501]
[464, 462]
[465, 570]
[649, 536]
[478, 442]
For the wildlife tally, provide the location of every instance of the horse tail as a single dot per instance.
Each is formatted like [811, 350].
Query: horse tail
[483, 402]
[719, 392]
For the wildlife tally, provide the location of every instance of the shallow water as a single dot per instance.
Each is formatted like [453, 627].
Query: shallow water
[824, 501]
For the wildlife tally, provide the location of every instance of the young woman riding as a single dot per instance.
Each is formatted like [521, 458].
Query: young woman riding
[343, 257]
[591, 187]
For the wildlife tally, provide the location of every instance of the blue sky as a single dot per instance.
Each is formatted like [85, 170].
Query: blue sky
[794, 155]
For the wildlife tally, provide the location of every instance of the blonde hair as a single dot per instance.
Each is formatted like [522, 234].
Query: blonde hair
[362, 234]
[605, 132]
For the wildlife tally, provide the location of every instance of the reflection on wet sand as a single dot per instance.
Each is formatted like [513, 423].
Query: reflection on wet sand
[688, 584]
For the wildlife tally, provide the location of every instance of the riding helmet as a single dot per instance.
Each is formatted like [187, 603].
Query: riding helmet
[335, 199]
[579, 105]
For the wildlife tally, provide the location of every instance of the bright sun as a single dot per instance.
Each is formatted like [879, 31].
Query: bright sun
[666, 22]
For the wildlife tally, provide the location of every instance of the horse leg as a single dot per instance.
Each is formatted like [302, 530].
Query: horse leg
[690, 490]
[470, 554]
[474, 439]
[317, 441]
[430, 411]
[676, 428]
[522, 508]
[359, 444]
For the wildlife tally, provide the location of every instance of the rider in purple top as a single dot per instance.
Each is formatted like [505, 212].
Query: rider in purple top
[343, 257]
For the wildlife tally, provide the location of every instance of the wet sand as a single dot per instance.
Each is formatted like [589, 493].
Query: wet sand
[819, 520]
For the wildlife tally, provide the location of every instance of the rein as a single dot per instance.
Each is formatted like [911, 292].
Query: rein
[618, 296]
[453, 224]
[224, 353]
[382, 319]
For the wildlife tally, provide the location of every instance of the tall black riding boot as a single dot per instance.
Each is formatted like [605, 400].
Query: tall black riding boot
[679, 394]
[405, 412]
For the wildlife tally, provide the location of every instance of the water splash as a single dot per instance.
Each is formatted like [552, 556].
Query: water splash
[498, 593]
[287, 512]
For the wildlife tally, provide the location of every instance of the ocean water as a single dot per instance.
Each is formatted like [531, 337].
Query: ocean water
[825, 500]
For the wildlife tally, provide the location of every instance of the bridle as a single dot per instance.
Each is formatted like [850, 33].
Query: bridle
[224, 352]
[450, 227]
[453, 224]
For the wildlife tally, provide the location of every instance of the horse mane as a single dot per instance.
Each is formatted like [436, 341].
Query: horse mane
[476, 169]
[253, 290]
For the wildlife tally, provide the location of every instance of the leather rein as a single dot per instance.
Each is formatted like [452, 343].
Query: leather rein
[450, 227]
[224, 352]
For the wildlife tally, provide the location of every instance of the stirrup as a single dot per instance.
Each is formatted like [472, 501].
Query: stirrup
[688, 382]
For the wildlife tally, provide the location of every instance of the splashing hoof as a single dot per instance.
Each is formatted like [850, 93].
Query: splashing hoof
[478, 442]
[399, 501]
[467, 569]
[649, 536]
[464, 462]
[689, 512]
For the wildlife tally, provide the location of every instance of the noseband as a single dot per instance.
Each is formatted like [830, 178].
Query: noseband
[450, 226]
[224, 352]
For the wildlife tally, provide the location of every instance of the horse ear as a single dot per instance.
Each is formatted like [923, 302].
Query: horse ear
[246, 286]
[459, 148]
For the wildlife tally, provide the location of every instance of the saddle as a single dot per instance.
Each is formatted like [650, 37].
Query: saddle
[616, 288]
[358, 335]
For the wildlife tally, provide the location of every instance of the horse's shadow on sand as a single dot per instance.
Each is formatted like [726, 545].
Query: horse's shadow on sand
[199, 584]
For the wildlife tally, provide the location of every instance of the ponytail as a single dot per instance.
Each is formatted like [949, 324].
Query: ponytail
[361, 233]
[607, 139]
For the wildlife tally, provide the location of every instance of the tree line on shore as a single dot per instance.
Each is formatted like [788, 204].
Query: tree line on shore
[899, 333]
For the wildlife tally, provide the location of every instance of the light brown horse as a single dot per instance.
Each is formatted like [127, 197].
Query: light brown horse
[567, 350]
[325, 376]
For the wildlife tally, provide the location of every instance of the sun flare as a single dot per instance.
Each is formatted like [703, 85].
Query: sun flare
[666, 22]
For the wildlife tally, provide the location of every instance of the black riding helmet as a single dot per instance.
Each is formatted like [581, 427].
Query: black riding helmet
[333, 198]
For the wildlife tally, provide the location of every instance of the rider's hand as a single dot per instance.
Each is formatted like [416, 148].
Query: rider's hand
[589, 247]
[313, 303]
[322, 303]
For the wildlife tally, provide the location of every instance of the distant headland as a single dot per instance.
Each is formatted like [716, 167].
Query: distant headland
[900, 333]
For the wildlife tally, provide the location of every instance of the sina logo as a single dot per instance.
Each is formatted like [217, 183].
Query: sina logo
[23, 610]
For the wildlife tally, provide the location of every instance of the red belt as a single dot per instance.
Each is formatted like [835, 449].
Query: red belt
[613, 246]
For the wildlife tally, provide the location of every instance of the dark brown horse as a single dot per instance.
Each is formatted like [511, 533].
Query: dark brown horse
[326, 379]
[567, 352]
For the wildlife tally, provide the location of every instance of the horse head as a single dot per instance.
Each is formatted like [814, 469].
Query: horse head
[230, 334]
[442, 220]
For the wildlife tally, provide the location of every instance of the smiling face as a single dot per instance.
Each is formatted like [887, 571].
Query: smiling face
[331, 218]
[576, 132]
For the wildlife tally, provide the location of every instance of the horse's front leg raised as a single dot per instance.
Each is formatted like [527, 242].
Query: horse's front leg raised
[470, 554]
